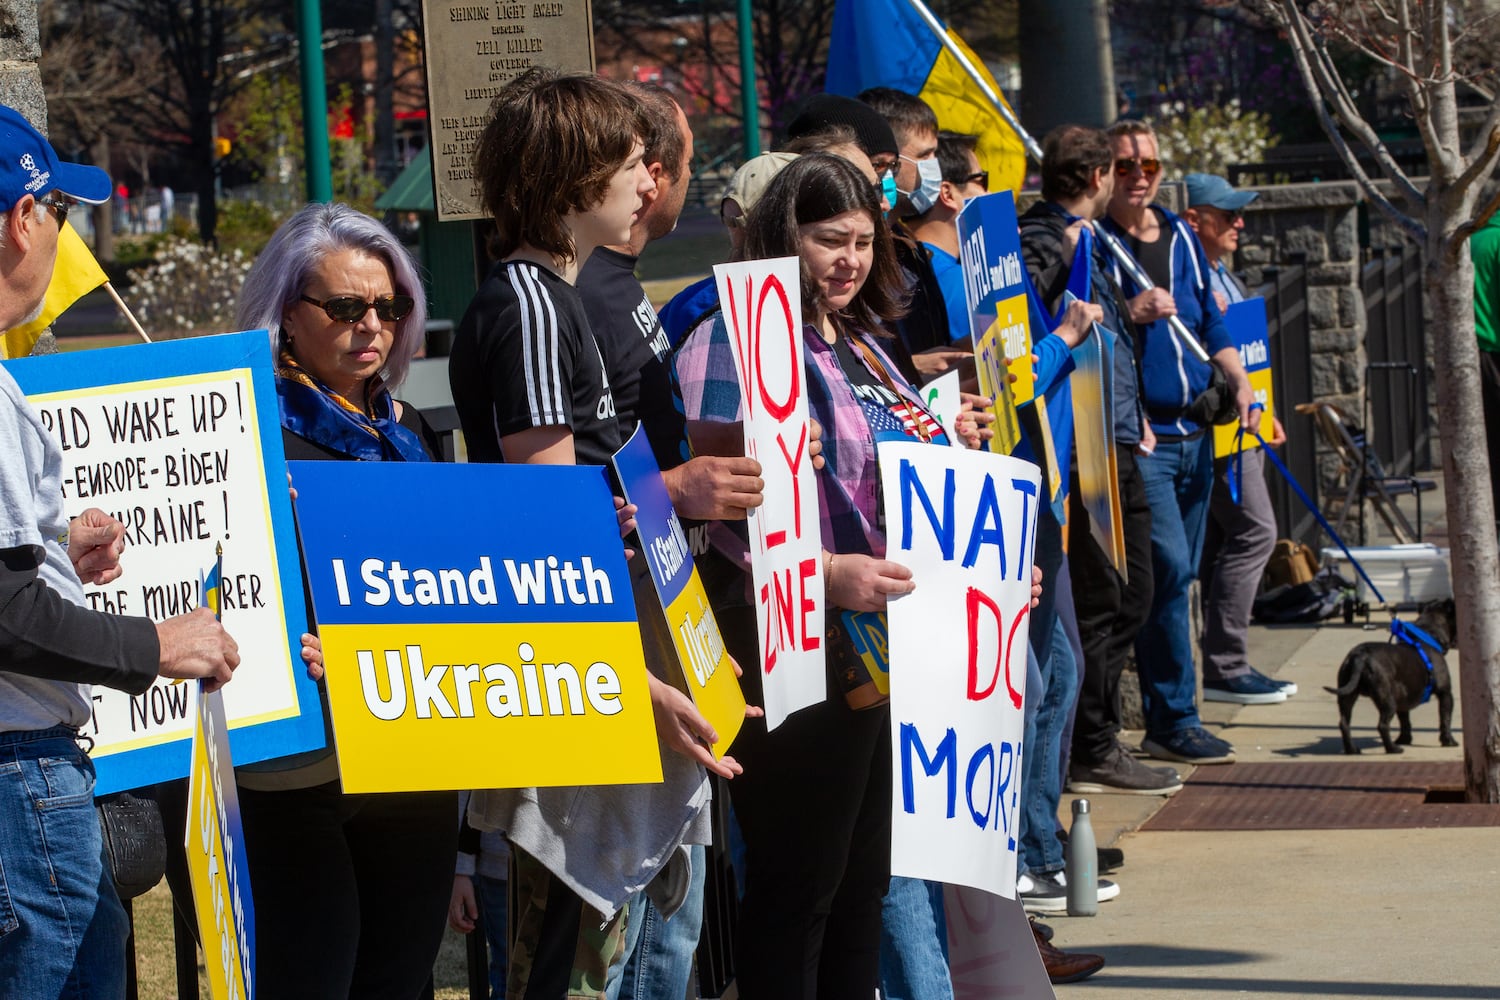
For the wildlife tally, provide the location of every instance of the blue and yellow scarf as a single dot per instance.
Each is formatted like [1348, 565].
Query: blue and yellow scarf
[312, 410]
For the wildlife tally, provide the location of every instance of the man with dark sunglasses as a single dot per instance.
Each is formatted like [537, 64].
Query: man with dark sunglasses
[1178, 470]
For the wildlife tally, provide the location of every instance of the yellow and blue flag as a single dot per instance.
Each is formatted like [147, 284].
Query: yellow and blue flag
[211, 598]
[75, 274]
[886, 43]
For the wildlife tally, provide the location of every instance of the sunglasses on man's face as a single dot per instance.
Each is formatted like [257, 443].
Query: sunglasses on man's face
[58, 206]
[352, 308]
[980, 177]
[1148, 166]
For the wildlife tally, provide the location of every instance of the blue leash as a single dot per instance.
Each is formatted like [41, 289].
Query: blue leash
[1235, 473]
[1400, 631]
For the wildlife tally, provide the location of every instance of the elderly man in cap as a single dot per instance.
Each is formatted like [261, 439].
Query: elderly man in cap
[1239, 536]
[62, 929]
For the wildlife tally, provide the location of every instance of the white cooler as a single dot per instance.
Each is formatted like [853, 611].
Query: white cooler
[1405, 574]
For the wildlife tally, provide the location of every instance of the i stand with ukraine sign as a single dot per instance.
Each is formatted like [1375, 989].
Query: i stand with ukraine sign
[493, 649]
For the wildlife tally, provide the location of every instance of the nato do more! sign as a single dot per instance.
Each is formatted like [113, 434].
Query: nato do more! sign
[964, 523]
[489, 641]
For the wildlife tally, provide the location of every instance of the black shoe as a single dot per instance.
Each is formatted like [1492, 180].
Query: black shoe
[1110, 858]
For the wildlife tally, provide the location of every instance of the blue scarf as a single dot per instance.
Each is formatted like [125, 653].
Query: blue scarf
[311, 410]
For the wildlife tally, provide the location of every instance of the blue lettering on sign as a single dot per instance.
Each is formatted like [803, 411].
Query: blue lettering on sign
[986, 528]
[992, 775]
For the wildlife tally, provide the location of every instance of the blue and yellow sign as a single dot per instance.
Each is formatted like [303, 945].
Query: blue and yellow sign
[478, 626]
[1000, 318]
[217, 867]
[1247, 329]
[707, 670]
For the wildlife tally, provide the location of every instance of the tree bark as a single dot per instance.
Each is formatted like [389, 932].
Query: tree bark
[1448, 280]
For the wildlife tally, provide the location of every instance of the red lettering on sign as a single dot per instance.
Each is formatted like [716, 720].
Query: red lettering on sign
[779, 409]
[792, 463]
[1005, 651]
[806, 570]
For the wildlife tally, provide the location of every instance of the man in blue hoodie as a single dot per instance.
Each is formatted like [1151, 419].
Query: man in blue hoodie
[1178, 473]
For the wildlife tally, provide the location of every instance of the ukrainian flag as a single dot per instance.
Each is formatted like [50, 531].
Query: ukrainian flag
[75, 275]
[211, 599]
[885, 43]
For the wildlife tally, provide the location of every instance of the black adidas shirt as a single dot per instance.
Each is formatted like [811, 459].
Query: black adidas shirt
[637, 354]
[524, 356]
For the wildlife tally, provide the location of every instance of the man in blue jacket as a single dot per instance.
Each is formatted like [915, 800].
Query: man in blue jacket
[1178, 472]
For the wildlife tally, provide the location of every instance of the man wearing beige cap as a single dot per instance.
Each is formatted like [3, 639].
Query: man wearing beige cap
[697, 300]
[62, 929]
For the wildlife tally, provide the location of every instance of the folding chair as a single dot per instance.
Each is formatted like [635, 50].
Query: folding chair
[1363, 477]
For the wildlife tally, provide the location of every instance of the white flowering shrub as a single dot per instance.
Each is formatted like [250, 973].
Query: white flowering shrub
[189, 289]
[1207, 139]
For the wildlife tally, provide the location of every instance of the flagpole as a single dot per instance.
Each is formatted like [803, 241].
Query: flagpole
[1033, 149]
[219, 569]
[125, 311]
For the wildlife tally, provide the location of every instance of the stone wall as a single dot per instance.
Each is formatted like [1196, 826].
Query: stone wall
[1317, 226]
[20, 83]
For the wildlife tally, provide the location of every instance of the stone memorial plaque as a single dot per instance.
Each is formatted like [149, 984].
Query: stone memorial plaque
[475, 47]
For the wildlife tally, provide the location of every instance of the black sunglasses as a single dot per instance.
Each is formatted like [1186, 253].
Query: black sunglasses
[352, 308]
[58, 206]
[1149, 166]
[980, 177]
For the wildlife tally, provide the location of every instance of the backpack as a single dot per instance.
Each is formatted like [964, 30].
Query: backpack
[1309, 601]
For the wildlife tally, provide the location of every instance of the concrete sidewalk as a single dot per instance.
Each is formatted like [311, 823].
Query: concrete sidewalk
[1296, 913]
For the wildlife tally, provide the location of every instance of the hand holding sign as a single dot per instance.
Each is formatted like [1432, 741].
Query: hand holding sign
[864, 583]
[195, 645]
[715, 488]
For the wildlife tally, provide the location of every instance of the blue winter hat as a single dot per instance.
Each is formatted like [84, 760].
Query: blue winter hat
[29, 165]
[1215, 192]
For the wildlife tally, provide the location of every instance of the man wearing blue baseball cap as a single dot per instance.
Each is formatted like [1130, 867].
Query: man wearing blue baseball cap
[62, 929]
[1240, 534]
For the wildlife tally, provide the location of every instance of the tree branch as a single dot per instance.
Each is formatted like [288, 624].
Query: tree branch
[1303, 46]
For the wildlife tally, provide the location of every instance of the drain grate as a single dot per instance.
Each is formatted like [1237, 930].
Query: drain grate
[1323, 796]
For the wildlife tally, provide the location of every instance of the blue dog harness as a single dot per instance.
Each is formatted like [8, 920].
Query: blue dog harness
[1419, 640]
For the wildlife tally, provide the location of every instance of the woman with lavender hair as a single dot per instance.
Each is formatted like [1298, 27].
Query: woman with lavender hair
[350, 891]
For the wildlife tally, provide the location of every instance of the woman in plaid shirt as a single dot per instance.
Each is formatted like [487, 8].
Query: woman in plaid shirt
[814, 801]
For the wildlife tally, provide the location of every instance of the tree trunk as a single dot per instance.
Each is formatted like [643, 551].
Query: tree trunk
[1449, 285]
[386, 163]
[104, 214]
[1067, 71]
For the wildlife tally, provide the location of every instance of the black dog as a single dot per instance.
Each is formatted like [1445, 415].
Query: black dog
[1393, 676]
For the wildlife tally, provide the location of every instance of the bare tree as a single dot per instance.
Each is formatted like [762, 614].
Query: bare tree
[1419, 41]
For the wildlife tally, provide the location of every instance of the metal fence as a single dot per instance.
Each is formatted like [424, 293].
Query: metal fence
[1396, 417]
[1288, 325]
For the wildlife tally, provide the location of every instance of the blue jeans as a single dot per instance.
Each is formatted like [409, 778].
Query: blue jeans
[914, 942]
[1041, 788]
[1179, 481]
[491, 895]
[659, 950]
[62, 928]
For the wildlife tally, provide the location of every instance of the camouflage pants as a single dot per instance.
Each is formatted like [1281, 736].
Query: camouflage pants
[554, 928]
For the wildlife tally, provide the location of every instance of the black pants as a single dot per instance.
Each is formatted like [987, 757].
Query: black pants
[1110, 611]
[814, 805]
[351, 891]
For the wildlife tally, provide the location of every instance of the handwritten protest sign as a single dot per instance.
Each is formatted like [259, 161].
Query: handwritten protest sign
[763, 311]
[964, 523]
[217, 867]
[1247, 329]
[181, 442]
[476, 652]
[707, 670]
[1092, 382]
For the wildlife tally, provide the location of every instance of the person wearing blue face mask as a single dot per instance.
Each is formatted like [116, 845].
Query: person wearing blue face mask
[937, 226]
